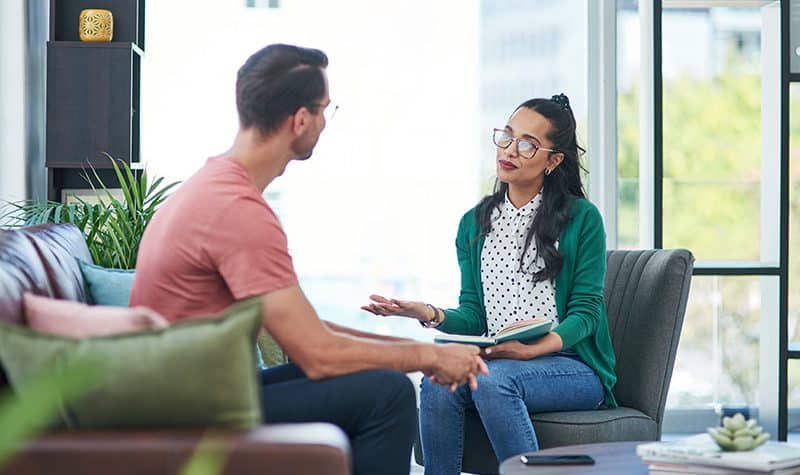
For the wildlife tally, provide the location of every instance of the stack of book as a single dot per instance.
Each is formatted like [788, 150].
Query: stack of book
[700, 455]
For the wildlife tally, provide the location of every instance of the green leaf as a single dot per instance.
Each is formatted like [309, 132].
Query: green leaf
[113, 227]
[22, 418]
[208, 458]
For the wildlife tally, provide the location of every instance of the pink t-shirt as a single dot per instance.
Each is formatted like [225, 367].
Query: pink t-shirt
[213, 242]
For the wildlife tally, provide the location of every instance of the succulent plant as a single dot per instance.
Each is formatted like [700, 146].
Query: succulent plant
[738, 434]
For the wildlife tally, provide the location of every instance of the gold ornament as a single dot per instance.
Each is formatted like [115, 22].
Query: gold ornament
[96, 25]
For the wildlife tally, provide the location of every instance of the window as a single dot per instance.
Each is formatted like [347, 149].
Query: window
[712, 133]
[376, 208]
[717, 360]
[628, 65]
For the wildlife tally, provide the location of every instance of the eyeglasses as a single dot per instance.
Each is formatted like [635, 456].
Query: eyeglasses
[330, 110]
[525, 148]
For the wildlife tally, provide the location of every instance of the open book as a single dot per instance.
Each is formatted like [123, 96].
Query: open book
[524, 331]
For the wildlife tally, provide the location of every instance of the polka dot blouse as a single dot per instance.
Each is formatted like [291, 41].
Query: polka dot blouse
[509, 293]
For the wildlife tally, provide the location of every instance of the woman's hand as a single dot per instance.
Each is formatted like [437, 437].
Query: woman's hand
[510, 350]
[514, 350]
[401, 308]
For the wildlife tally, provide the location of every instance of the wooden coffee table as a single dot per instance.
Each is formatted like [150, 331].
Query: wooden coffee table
[617, 458]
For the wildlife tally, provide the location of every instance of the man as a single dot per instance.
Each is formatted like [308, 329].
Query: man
[216, 241]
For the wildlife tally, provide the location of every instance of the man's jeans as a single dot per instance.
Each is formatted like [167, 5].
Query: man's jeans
[512, 389]
[376, 408]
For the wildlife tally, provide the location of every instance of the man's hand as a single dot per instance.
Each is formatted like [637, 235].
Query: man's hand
[457, 364]
[323, 353]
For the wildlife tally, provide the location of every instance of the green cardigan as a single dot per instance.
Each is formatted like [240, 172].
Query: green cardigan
[579, 290]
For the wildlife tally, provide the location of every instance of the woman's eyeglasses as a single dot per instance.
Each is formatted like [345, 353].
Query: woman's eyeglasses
[525, 148]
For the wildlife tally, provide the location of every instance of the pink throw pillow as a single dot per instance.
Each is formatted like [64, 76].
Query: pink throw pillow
[78, 320]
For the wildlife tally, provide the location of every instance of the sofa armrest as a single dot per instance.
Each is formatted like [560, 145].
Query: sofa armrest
[276, 449]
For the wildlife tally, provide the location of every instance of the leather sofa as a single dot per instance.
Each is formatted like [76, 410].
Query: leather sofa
[41, 259]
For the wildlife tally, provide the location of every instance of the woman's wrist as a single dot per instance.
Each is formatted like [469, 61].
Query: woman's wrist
[533, 350]
[435, 320]
[550, 343]
[431, 317]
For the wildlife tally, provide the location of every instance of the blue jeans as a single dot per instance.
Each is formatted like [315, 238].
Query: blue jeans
[511, 390]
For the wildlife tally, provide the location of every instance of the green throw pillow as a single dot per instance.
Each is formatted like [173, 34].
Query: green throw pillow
[269, 352]
[107, 286]
[197, 373]
[113, 287]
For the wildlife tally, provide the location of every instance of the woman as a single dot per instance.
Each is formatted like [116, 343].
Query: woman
[533, 248]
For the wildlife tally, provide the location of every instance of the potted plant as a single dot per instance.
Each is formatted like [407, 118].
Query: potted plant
[113, 226]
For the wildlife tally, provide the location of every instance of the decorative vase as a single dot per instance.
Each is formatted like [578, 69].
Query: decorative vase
[96, 25]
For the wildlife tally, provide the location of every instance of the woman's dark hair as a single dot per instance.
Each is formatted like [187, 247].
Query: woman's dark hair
[561, 187]
[275, 82]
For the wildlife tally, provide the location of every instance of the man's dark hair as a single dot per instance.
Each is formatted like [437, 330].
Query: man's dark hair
[275, 82]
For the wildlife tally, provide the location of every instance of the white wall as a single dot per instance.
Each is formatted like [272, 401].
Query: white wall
[12, 99]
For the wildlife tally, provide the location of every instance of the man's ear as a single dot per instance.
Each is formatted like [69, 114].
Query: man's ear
[300, 120]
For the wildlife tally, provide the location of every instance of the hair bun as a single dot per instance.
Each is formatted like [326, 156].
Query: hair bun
[561, 99]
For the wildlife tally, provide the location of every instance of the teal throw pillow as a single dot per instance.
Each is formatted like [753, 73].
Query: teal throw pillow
[107, 286]
[196, 373]
[113, 287]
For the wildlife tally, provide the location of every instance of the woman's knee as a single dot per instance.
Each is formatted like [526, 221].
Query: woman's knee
[434, 394]
[437, 398]
[491, 386]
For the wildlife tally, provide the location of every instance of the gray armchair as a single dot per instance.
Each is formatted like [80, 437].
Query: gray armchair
[646, 294]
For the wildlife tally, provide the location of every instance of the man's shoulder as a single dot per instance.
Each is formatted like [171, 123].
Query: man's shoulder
[223, 190]
[218, 175]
